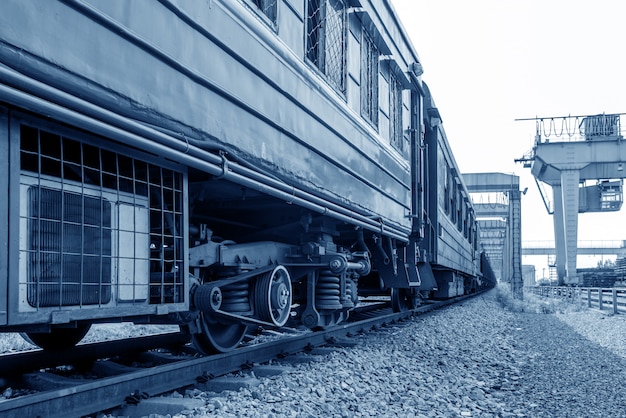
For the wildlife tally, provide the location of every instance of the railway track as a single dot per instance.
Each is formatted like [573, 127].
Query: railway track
[101, 384]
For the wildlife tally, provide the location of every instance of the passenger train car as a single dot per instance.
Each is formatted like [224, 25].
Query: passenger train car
[451, 236]
[220, 165]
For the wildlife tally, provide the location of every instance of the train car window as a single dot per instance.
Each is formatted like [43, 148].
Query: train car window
[459, 209]
[446, 191]
[268, 7]
[369, 79]
[326, 39]
[475, 236]
[453, 206]
[450, 194]
[396, 134]
[465, 222]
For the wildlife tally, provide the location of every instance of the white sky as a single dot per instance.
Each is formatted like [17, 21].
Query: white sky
[488, 62]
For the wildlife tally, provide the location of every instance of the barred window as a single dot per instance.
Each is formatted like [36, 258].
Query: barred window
[395, 112]
[326, 39]
[453, 202]
[369, 79]
[446, 190]
[268, 8]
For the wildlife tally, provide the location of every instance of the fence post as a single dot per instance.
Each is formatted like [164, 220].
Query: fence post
[589, 298]
[614, 301]
[600, 298]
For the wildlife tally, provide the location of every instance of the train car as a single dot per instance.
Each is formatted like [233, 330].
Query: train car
[219, 165]
[454, 261]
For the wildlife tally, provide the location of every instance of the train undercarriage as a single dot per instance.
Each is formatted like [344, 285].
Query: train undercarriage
[108, 236]
[269, 284]
[106, 230]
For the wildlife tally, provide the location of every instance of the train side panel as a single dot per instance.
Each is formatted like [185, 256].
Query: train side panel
[215, 73]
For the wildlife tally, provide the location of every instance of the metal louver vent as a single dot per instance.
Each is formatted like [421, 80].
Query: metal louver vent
[70, 248]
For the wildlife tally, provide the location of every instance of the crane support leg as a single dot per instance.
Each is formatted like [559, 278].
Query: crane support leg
[569, 181]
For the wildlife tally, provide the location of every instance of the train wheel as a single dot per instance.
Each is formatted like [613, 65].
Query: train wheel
[217, 337]
[57, 339]
[404, 299]
[273, 296]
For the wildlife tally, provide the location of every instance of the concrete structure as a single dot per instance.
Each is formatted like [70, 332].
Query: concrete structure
[529, 275]
[617, 248]
[500, 223]
[568, 152]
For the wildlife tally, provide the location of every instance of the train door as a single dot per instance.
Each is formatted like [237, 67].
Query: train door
[417, 165]
[419, 232]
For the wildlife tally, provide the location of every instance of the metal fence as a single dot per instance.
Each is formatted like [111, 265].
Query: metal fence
[611, 299]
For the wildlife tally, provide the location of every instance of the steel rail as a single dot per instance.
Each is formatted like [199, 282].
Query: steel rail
[111, 392]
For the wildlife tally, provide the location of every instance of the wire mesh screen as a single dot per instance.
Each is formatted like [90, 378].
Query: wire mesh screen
[395, 111]
[369, 79]
[326, 38]
[268, 8]
[96, 224]
[166, 236]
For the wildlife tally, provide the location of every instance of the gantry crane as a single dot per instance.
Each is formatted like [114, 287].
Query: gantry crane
[570, 152]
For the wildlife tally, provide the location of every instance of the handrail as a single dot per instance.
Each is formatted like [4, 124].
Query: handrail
[613, 298]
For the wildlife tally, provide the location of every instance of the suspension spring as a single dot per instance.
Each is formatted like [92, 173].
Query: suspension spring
[328, 291]
[351, 294]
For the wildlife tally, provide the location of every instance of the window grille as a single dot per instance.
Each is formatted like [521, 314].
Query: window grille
[460, 213]
[369, 79]
[446, 190]
[268, 8]
[395, 112]
[453, 202]
[463, 226]
[326, 39]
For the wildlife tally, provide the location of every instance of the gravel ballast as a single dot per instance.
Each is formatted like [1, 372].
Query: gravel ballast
[488, 357]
